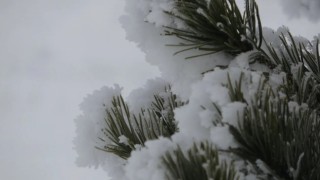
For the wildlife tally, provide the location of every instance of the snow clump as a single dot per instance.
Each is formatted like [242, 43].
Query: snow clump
[203, 83]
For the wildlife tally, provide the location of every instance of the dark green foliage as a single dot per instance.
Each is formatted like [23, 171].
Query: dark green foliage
[164, 108]
[281, 58]
[302, 88]
[137, 129]
[302, 85]
[235, 92]
[217, 25]
[287, 140]
[119, 127]
[312, 60]
[201, 163]
[293, 53]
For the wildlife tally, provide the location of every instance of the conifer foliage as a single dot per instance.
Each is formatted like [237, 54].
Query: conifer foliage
[201, 162]
[129, 131]
[218, 25]
[269, 118]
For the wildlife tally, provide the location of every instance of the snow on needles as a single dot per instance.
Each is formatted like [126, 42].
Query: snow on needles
[150, 39]
[204, 92]
[143, 97]
[89, 125]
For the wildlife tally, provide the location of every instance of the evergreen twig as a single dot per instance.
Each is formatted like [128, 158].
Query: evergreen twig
[201, 162]
[284, 137]
[217, 25]
[126, 130]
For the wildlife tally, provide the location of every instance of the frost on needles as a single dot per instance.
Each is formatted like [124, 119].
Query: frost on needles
[235, 100]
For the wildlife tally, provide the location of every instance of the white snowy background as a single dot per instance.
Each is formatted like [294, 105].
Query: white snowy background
[54, 52]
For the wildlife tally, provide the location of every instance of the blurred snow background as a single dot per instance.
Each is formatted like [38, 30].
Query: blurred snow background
[52, 54]
[300, 8]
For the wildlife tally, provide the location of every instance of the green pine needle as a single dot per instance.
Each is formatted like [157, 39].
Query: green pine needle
[201, 162]
[287, 140]
[137, 129]
[235, 92]
[217, 25]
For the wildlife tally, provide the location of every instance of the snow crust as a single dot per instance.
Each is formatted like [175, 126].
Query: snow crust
[200, 82]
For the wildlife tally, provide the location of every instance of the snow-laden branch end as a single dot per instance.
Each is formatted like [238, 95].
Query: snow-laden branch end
[244, 106]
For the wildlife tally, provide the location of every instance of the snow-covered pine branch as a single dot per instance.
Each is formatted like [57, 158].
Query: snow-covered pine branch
[246, 106]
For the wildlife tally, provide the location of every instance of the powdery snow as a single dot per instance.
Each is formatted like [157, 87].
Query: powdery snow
[146, 163]
[142, 98]
[89, 125]
[209, 111]
[178, 71]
